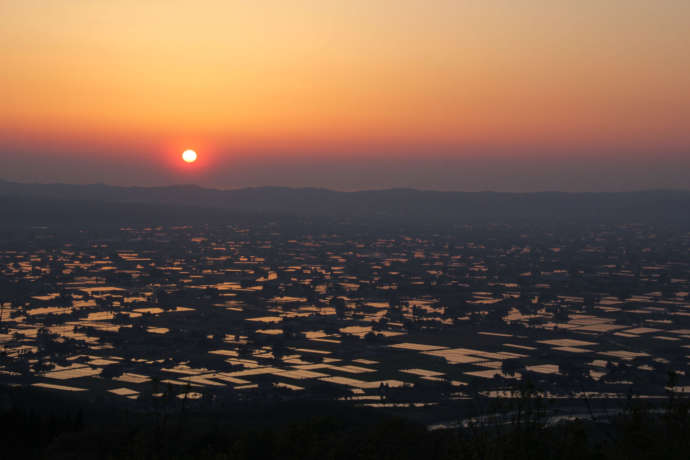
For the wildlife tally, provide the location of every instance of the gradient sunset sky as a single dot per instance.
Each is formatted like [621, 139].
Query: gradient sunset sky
[509, 95]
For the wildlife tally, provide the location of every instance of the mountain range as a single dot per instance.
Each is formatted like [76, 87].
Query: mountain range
[24, 203]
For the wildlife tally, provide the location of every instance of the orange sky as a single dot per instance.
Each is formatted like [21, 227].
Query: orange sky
[338, 82]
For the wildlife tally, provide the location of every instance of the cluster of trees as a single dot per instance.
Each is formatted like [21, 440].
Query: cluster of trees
[34, 424]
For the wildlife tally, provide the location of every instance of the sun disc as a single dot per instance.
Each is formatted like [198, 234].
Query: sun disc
[189, 156]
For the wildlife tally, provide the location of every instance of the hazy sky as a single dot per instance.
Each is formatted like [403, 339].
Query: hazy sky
[464, 95]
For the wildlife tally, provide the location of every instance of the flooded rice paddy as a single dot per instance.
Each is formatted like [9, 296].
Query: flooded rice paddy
[250, 313]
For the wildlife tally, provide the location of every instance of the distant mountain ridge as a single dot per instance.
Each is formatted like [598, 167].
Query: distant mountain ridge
[395, 204]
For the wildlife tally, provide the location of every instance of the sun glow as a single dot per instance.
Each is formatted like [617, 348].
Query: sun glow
[189, 156]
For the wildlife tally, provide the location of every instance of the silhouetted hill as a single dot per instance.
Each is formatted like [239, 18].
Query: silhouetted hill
[35, 203]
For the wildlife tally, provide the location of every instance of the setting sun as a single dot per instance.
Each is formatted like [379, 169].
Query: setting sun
[189, 156]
